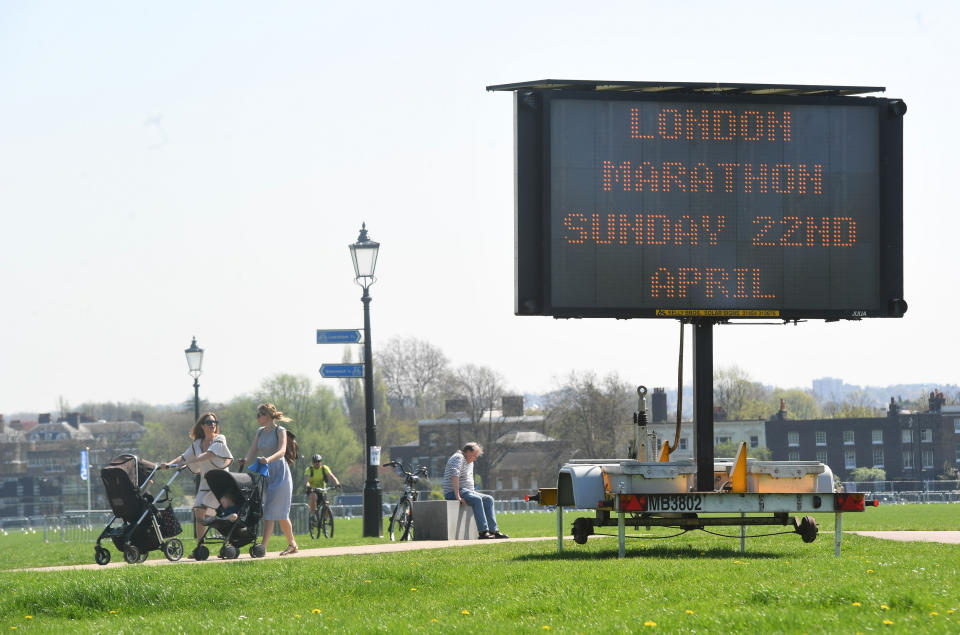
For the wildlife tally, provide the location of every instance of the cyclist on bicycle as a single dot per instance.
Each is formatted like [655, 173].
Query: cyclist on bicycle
[318, 475]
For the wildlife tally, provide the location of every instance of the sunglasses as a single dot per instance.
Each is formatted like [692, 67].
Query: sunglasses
[211, 422]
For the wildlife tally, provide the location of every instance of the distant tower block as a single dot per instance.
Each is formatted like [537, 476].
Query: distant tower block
[659, 405]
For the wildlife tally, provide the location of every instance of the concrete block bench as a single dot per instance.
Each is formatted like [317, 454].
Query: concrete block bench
[443, 520]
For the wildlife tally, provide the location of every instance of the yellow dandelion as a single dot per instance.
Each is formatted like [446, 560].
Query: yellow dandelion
[13, 628]
[28, 617]
[649, 623]
[887, 622]
[546, 627]
[435, 621]
[689, 612]
[869, 570]
[464, 612]
[856, 604]
[885, 607]
[317, 612]
[296, 615]
[949, 611]
[114, 612]
[933, 614]
[413, 588]
[366, 581]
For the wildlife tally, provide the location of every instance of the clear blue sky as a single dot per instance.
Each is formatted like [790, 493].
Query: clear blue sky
[180, 168]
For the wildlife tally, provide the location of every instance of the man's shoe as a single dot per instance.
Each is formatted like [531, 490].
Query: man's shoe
[486, 535]
[497, 534]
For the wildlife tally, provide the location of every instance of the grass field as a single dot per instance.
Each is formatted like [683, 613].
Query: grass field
[692, 583]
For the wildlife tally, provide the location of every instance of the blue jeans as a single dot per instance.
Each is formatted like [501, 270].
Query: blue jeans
[482, 505]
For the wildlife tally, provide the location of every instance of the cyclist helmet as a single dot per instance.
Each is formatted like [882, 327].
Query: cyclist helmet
[317, 458]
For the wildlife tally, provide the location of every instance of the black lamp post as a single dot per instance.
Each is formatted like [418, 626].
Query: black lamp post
[364, 255]
[195, 362]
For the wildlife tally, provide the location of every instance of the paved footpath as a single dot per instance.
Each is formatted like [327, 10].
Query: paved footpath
[947, 537]
[389, 547]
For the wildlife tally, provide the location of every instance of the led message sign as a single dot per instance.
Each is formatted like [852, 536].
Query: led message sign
[636, 205]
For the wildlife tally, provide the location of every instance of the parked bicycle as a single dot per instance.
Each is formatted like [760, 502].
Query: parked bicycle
[401, 521]
[321, 520]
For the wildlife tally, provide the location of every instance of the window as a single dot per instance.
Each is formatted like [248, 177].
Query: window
[533, 482]
[926, 435]
[683, 443]
[719, 440]
[926, 458]
[821, 456]
[907, 460]
[821, 437]
[754, 441]
[849, 459]
[793, 438]
[877, 457]
[956, 426]
[499, 483]
[515, 483]
[877, 436]
[907, 434]
[848, 437]
[793, 455]
[958, 453]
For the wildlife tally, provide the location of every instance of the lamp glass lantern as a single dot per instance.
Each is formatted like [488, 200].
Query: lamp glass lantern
[364, 255]
[194, 358]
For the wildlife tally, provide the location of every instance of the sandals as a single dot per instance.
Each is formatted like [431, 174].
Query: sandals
[291, 549]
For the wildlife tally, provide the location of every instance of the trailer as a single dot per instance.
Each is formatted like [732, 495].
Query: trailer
[630, 493]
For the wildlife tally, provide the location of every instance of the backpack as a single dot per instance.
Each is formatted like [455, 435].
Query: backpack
[293, 450]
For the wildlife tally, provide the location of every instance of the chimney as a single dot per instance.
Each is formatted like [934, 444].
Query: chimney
[783, 410]
[512, 406]
[43, 417]
[659, 405]
[73, 419]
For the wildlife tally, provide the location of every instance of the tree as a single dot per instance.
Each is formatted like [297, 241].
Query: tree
[739, 397]
[355, 404]
[862, 474]
[857, 404]
[413, 370]
[482, 388]
[800, 404]
[729, 449]
[318, 421]
[586, 413]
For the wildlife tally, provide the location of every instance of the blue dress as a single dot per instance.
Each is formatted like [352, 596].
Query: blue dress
[279, 491]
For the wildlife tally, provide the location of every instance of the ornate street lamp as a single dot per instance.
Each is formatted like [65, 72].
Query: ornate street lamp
[364, 255]
[195, 363]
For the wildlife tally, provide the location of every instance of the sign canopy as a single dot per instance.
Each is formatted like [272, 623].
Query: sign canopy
[655, 199]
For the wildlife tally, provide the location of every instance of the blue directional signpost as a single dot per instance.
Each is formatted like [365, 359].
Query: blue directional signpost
[341, 371]
[338, 336]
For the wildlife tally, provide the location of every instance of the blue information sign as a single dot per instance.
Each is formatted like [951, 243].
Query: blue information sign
[341, 371]
[84, 465]
[338, 336]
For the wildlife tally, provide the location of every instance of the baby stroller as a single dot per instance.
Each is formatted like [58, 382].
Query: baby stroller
[145, 525]
[243, 493]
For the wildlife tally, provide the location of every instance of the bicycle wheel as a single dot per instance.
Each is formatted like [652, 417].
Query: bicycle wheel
[326, 522]
[315, 523]
[400, 521]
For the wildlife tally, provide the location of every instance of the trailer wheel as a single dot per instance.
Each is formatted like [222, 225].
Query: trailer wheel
[806, 527]
[582, 529]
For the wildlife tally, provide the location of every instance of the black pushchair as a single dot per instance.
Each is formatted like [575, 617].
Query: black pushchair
[244, 493]
[145, 525]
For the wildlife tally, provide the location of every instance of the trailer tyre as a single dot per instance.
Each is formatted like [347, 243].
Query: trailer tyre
[582, 529]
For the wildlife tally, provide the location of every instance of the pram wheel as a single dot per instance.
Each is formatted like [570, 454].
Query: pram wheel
[228, 552]
[201, 553]
[131, 554]
[143, 557]
[173, 549]
[102, 556]
[257, 551]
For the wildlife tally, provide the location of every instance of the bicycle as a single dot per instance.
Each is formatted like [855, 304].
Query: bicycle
[322, 517]
[401, 521]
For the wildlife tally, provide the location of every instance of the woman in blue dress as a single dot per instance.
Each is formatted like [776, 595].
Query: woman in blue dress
[270, 446]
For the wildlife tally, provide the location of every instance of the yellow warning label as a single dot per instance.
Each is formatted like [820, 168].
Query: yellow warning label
[718, 313]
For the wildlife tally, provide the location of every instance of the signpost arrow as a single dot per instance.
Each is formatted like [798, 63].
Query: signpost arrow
[338, 336]
[341, 371]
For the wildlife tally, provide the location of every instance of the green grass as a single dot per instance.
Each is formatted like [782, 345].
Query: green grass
[696, 582]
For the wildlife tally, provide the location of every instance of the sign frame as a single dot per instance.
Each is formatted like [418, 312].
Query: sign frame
[533, 273]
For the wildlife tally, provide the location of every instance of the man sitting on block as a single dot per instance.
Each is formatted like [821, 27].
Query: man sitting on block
[458, 485]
